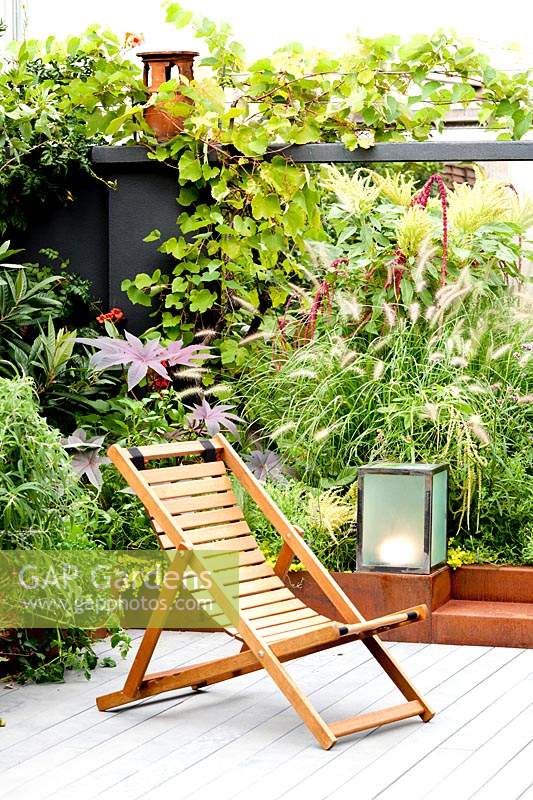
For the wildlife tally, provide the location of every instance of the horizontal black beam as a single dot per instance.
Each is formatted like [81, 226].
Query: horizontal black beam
[337, 153]
[413, 151]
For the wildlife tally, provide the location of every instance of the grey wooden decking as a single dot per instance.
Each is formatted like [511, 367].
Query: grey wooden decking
[240, 739]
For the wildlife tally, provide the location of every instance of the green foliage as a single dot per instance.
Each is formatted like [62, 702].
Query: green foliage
[123, 523]
[122, 520]
[245, 220]
[325, 517]
[63, 380]
[44, 655]
[58, 99]
[77, 304]
[456, 390]
[32, 299]
[133, 421]
[23, 303]
[527, 553]
[394, 250]
[42, 504]
[473, 551]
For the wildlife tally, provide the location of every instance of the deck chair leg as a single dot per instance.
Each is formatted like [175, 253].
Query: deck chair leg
[309, 716]
[397, 676]
[151, 635]
[141, 661]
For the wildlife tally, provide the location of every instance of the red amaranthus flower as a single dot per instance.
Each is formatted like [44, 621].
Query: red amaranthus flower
[322, 302]
[421, 199]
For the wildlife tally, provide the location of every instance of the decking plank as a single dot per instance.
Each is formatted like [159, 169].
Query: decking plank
[240, 738]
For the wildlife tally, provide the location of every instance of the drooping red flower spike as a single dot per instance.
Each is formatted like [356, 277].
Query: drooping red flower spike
[421, 199]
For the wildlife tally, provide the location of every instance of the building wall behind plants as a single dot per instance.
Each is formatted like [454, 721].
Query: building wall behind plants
[101, 232]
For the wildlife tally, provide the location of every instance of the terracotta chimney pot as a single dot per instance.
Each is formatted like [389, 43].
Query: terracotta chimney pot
[157, 69]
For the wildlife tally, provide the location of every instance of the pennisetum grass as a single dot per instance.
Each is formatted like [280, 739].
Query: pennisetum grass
[449, 390]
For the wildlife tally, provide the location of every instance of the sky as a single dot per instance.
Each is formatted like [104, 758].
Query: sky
[504, 29]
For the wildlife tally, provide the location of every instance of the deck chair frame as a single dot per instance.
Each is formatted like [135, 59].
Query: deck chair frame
[258, 653]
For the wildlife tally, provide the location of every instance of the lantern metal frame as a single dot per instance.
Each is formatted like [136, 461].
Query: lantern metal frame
[429, 471]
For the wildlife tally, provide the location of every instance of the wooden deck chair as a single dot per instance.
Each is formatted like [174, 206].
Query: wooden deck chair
[192, 506]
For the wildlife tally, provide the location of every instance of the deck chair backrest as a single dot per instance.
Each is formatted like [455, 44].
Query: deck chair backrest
[192, 505]
[167, 524]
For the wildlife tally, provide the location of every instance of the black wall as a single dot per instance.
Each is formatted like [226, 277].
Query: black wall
[101, 232]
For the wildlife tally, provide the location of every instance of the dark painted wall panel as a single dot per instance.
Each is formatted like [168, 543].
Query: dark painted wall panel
[101, 232]
[78, 231]
[142, 202]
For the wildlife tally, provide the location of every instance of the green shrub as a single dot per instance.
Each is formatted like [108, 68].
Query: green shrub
[42, 503]
[325, 517]
[58, 99]
[458, 391]
[37, 308]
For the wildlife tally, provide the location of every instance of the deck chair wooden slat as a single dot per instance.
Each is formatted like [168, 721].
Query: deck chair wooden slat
[272, 609]
[202, 502]
[217, 533]
[166, 474]
[203, 518]
[240, 544]
[247, 558]
[284, 616]
[294, 625]
[191, 488]
[279, 636]
[258, 586]
[240, 576]
[260, 600]
[192, 506]
[165, 542]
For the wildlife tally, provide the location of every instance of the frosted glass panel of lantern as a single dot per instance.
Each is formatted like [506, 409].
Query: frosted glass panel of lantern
[393, 521]
[438, 517]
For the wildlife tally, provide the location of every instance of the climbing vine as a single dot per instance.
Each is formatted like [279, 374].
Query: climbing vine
[56, 100]
[247, 213]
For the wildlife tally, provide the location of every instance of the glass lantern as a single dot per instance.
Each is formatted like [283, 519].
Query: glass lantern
[401, 517]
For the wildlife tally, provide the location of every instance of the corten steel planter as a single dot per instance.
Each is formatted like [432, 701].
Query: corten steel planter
[474, 605]
[490, 606]
[374, 593]
[157, 69]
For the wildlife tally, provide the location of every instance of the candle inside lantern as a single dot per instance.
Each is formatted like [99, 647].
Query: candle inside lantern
[398, 551]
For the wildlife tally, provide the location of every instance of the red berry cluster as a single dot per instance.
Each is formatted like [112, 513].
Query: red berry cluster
[115, 315]
[156, 383]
